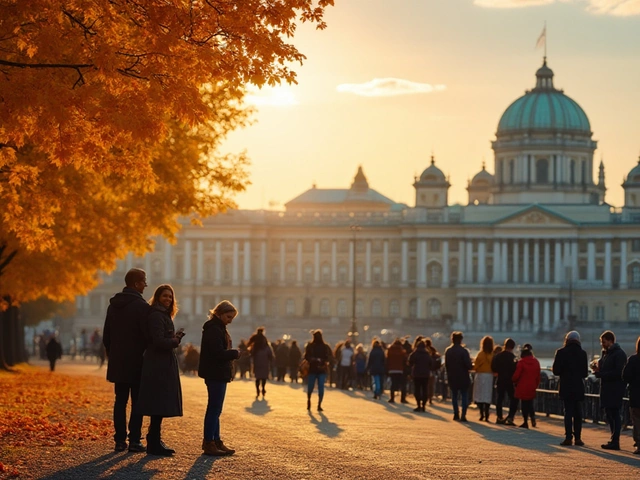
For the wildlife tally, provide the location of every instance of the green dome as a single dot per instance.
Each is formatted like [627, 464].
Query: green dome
[544, 108]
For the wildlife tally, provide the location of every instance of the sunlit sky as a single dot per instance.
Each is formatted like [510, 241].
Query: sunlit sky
[388, 82]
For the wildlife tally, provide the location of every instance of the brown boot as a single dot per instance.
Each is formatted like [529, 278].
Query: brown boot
[211, 449]
[224, 448]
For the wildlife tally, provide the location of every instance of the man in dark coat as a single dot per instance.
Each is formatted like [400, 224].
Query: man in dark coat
[282, 360]
[631, 375]
[295, 356]
[612, 387]
[124, 343]
[504, 365]
[457, 362]
[571, 365]
[54, 352]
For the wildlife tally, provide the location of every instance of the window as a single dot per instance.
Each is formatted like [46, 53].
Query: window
[179, 271]
[308, 273]
[583, 312]
[342, 273]
[633, 311]
[635, 275]
[275, 273]
[95, 304]
[226, 270]
[325, 307]
[359, 308]
[395, 273]
[434, 275]
[434, 245]
[325, 272]
[434, 307]
[156, 268]
[342, 307]
[599, 312]
[635, 245]
[360, 272]
[542, 171]
[376, 308]
[274, 307]
[394, 308]
[376, 273]
[290, 307]
[291, 272]
[413, 308]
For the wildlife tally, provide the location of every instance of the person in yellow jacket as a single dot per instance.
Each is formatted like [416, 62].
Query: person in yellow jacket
[483, 383]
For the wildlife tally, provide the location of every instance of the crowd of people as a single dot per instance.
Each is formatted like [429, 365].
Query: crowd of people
[141, 341]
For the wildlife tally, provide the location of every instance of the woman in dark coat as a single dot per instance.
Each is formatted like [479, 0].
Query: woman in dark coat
[160, 392]
[262, 362]
[318, 354]
[295, 355]
[216, 359]
[457, 362]
[54, 352]
[420, 363]
[377, 367]
[631, 375]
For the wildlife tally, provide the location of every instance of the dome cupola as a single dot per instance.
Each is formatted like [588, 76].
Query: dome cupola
[432, 188]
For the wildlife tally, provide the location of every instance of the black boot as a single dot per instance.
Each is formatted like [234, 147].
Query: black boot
[156, 447]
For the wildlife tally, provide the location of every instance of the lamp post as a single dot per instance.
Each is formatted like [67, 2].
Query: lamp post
[354, 324]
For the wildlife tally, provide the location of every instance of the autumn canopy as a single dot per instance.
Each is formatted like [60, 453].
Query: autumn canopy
[111, 115]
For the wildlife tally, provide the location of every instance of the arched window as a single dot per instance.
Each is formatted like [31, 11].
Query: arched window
[633, 311]
[325, 272]
[342, 273]
[342, 307]
[275, 273]
[290, 308]
[308, 273]
[635, 275]
[395, 273]
[434, 307]
[325, 307]
[376, 308]
[376, 274]
[542, 171]
[413, 308]
[360, 272]
[291, 272]
[434, 274]
[394, 308]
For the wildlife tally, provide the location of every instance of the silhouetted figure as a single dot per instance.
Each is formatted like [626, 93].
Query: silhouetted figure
[262, 359]
[53, 351]
[282, 361]
[420, 363]
[458, 364]
[483, 383]
[631, 375]
[396, 363]
[295, 357]
[318, 354]
[376, 366]
[504, 365]
[244, 362]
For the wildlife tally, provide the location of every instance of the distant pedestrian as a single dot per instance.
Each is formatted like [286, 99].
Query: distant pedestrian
[124, 342]
[571, 365]
[376, 366]
[216, 367]
[54, 352]
[612, 387]
[318, 354]
[404, 382]
[420, 363]
[504, 366]
[436, 365]
[295, 357]
[527, 379]
[244, 362]
[345, 365]
[160, 391]
[631, 375]
[360, 365]
[396, 362]
[457, 362]
[262, 355]
[282, 360]
[483, 382]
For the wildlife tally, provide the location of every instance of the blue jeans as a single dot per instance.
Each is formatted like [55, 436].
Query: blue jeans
[311, 381]
[216, 391]
[377, 384]
[464, 393]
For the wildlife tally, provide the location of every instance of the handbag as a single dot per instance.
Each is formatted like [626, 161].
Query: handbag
[303, 368]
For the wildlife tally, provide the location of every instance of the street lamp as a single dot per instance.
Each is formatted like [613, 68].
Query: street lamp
[354, 324]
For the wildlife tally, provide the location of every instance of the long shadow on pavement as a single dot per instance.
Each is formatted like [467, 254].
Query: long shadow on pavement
[324, 426]
[259, 407]
[202, 466]
[98, 467]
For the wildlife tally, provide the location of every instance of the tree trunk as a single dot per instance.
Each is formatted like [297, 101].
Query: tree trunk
[3, 319]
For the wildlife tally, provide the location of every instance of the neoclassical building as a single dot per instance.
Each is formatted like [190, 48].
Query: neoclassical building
[535, 244]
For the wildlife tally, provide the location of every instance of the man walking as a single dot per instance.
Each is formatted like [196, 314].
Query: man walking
[504, 365]
[457, 361]
[124, 343]
[609, 370]
[571, 365]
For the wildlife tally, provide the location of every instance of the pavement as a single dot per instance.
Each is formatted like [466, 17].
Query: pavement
[355, 437]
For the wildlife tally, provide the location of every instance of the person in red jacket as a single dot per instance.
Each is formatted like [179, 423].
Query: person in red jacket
[396, 361]
[527, 379]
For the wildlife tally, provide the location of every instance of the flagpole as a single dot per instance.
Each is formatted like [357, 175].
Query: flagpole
[545, 40]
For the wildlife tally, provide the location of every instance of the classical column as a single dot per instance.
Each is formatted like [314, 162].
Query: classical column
[316, 258]
[536, 261]
[405, 261]
[367, 277]
[469, 320]
[591, 261]
[504, 262]
[445, 263]
[496, 262]
[469, 261]
[516, 262]
[420, 261]
[505, 314]
[547, 261]
[263, 261]
[557, 263]
[525, 312]
[334, 261]
[496, 315]
[418, 308]
[623, 263]
[566, 309]
[480, 322]
[246, 274]
[199, 261]
[199, 305]
[516, 315]
[482, 265]
[218, 276]
[236, 262]
[556, 313]
[525, 262]
[607, 263]
[186, 274]
[575, 273]
[299, 262]
[246, 305]
[536, 314]
[546, 324]
[385, 262]
[283, 261]
[168, 271]
[461, 262]
[460, 311]
[425, 261]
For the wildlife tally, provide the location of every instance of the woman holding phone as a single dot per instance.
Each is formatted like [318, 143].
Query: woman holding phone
[160, 392]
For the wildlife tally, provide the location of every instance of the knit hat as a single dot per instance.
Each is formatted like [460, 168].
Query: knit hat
[572, 336]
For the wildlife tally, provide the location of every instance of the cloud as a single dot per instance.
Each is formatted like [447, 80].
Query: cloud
[280, 96]
[619, 8]
[388, 87]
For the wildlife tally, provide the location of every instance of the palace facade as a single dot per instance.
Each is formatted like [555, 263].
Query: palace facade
[536, 244]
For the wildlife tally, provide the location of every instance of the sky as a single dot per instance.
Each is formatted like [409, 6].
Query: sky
[389, 83]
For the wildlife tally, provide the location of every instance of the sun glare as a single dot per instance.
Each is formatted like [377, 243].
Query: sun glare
[280, 96]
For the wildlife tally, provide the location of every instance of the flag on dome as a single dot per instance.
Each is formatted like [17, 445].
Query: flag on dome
[542, 39]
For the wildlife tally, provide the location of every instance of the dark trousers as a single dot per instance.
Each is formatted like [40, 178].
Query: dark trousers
[259, 382]
[396, 383]
[572, 419]
[464, 400]
[155, 426]
[635, 418]
[216, 391]
[344, 377]
[615, 423]
[282, 371]
[528, 411]
[52, 364]
[420, 390]
[122, 391]
[506, 389]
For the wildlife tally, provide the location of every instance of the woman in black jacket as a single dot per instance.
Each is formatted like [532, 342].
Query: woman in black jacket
[631, 375]
[160, 392]
[216, 359]
[420, 362]
[318, 354]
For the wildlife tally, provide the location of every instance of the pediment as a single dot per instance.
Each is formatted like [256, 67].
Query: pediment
[533, 217]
